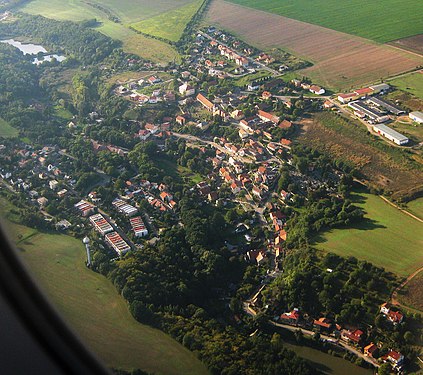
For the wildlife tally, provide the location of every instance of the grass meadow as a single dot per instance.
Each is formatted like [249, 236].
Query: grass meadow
[416, 207]
[7, 131]
[171, 24]
[378, 20]
[127, 10]
[411, 83]
[93, 308]
[387, 237]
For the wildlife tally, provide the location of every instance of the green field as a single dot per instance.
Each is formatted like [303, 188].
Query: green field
[412, 83]
[7, 131]
[127, 10]
[169, 25]
[416, 207]
[94, 309]
[387, 238]
[378, 20]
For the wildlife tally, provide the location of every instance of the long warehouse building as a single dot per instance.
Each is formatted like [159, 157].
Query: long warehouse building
[391, 134]
[117, 243]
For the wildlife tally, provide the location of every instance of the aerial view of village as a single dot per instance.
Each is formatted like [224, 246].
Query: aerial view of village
[220, 187]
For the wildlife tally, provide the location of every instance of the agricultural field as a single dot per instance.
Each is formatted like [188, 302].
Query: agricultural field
[412, 43]
[416, 207]
[378, 239]
[93, 308]
[341, 61]
[6, 130]
[380, 20]
[169, 25]
[411, 83]
[382, 165]
[127, 11]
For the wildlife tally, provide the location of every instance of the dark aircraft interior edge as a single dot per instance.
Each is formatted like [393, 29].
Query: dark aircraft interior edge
[33, 337]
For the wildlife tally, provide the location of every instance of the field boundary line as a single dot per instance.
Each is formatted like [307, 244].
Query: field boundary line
[401, 209]
[394, 300]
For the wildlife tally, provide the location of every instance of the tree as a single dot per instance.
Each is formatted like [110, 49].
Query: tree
[384, 369]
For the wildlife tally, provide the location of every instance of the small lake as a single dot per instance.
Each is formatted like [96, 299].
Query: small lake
[33, 49]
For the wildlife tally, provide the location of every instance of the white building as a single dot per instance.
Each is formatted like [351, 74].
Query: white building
[391, 134]
[186, 89]
[53, 184]
[417, 116]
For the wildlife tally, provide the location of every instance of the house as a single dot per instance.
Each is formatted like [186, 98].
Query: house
[237, 114]
[53, 184]
[285, 124]
[371, 350]
[144, 134]
[42, 201]
[62, 193]
[394, 316]
[236, 187]
[63, 224]
[394, 357]
[205, 102]
[212, 197]
[257, 256]
[416, 116]
[265, 116]
[253, 86]
[266, 95]
[291, 318]
[346, 98]
[316, 90]
[186, 89]
[322, 324]
[285, 142]
[153, 79]
[354, 336]
[328, 104]
[241, 61]
[181, 120]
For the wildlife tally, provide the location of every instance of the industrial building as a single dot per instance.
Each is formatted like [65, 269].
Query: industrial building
[417, 116]
[373, 114]
[117, 243]
[124, 207]
[138, 226]
[100, 224]
[391, 134]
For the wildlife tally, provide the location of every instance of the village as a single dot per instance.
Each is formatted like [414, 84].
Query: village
[230, 102]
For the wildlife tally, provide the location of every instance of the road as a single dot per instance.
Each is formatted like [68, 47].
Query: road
[247, 309]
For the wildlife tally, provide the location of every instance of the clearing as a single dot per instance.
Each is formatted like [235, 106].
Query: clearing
[6, 130]
[381, 164]
[94, 309]
[378, 20]
[169, 25]
[127, 11]
[380, 238]
[341, 61]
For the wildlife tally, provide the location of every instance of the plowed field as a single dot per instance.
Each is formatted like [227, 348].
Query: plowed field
[340, 60]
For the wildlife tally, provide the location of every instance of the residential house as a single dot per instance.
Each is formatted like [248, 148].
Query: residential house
[322, 324]
[355, 336]
[394, 357]
[371, 350]
[316, 90]
[186, 89]
[291, 318]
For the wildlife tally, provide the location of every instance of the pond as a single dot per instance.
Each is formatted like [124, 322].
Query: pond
[33, 49]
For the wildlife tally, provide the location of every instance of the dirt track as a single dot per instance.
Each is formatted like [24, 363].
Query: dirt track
[341, 60]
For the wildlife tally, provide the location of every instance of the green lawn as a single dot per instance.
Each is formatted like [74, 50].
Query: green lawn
[416, 207]
[127, 10]
[7, 131]
[169, 25]
[387, 238]
[412, 83]
[378, 20]
[94, 309]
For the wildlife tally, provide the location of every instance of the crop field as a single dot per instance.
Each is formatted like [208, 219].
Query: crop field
[384, 166]
[7, 131]
[378, 20]
[385, 233]
[341, 61]
[412, 83]
[94, 309]
[169, 25]
[128, 12]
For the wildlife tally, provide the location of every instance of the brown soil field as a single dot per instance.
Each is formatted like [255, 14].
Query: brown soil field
[340, 60]
[412, 43]
[412, 294]
[376, 166]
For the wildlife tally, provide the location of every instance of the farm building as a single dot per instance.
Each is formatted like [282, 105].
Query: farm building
[371, 113]
[382, 87]
[392, 108]
[391, 134]
[416, 116]
[346, 98]
[316, 90]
